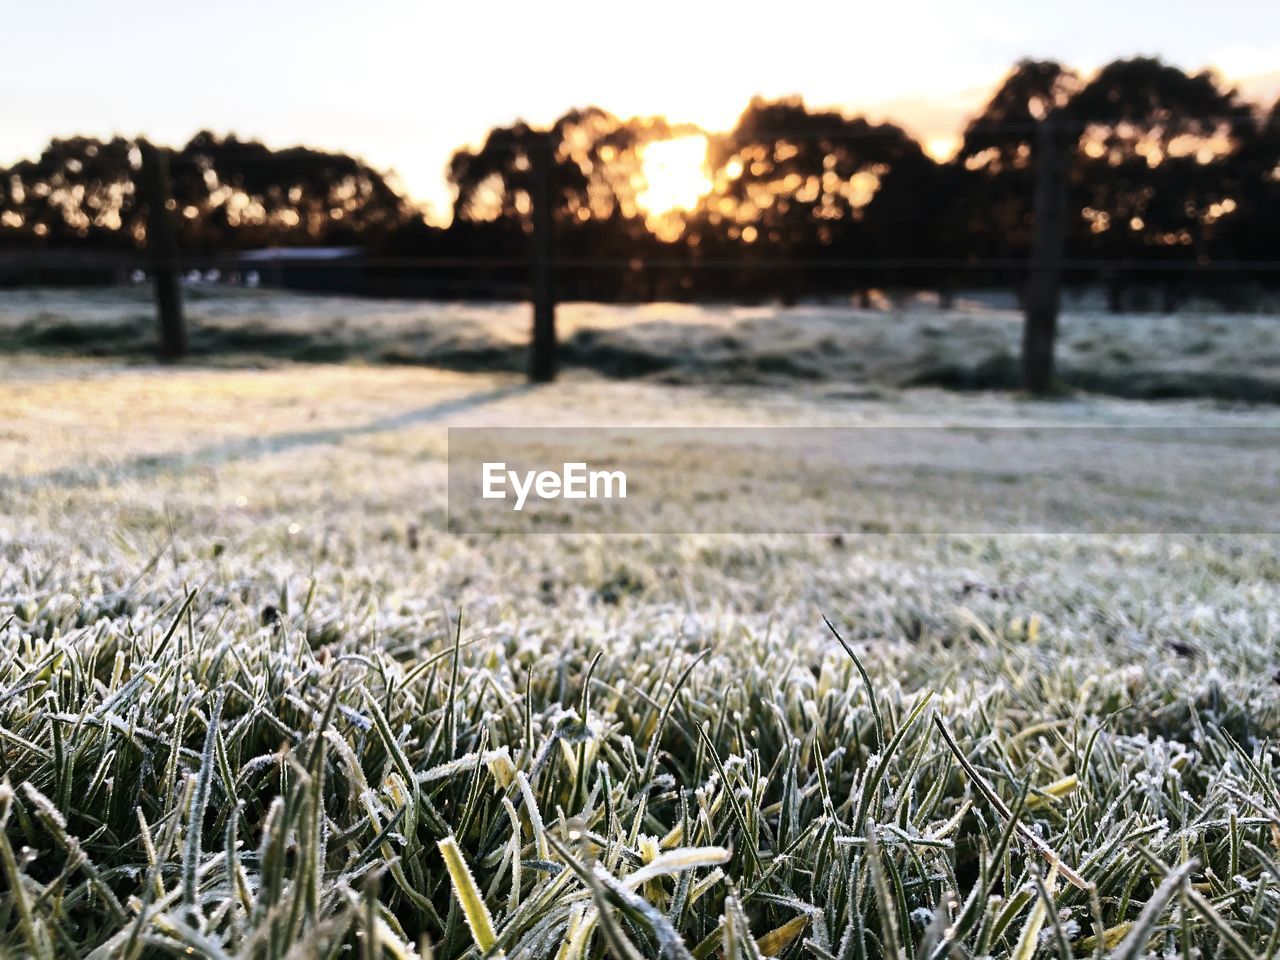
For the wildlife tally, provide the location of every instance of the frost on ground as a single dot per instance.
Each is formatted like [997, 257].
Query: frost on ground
[238, 716]
[909, 343]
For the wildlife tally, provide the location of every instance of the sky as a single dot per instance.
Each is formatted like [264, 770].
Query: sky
[403, 84]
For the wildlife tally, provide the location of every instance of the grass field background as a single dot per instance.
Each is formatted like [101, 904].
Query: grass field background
[254, 702]
[898, 342]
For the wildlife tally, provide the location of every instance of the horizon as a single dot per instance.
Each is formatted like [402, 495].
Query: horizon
[372, 102]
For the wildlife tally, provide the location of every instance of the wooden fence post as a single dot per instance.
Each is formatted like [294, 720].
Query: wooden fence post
[1048, 242]
[542, 350]
[162, 247]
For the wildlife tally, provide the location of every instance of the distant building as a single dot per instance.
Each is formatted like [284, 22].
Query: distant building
[327, 269]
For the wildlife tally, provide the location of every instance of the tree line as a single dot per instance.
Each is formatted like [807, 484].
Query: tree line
[1169, 171]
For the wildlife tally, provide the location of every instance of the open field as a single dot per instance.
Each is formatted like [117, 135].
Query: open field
[238, 715]
[1233, 357]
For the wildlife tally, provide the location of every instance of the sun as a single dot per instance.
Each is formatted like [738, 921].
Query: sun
[674, 173]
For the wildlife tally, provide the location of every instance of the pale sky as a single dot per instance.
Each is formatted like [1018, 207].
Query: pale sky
[403, 84]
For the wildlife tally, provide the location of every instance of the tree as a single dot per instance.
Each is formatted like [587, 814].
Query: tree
[1167, 166]
[229, 194]
[596, 169]
[1245, 220]
[233, 194]
[1158, 163]
[794, 183]
[79, 191]
[994, 169]
[596, 180]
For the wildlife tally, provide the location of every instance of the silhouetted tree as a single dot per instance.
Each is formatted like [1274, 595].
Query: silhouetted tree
[597, 176]
[234, 193]
[1245, 221]
[995, 164]
[229, 194]
[1157, 161]
[596, 167]
[1168, 166]
[80, 191]
[796, 184]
